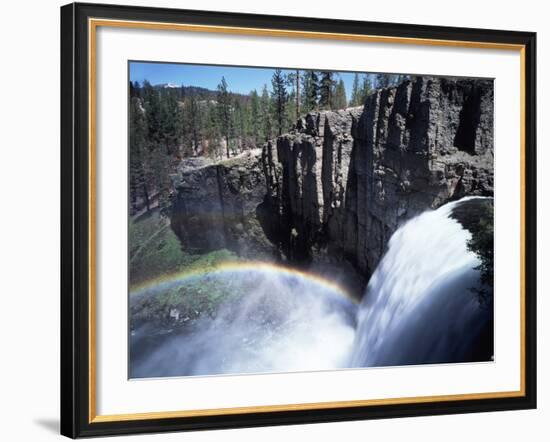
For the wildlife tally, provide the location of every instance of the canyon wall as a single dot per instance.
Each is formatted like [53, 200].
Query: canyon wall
[339, 184]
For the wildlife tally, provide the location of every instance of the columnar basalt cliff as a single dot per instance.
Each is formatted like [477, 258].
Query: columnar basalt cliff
[222, 206]
[417, 146]
[337, 186]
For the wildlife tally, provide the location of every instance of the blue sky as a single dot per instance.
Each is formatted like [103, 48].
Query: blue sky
[239, 79]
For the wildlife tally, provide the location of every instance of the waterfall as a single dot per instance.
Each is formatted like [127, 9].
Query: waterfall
[419, 306]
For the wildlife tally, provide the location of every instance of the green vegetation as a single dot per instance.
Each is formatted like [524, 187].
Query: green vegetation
[339, 100]
[482, 244]
[154, 248]
[326, 89]
[385, 80]
[355, 92]
[360, 90]
[202, 293]
[156, 252]
[168, 124]
[310, 92]
[280, 99]
[224, 113]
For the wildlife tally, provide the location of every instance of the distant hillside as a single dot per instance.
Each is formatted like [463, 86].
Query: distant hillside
[192, 91]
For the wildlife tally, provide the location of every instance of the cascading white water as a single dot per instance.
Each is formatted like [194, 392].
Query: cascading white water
[419, 306]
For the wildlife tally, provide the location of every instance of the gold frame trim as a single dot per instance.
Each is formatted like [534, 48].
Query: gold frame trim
[93, 24]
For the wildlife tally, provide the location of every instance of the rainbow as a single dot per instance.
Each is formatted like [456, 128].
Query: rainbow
[168, 281]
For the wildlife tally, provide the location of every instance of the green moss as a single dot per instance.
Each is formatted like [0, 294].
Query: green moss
[482, 244]
[156, 251]
[204, 293]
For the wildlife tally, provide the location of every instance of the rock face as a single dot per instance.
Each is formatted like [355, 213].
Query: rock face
[336, 187]
[220, 206]
[314, 162]
[417, 146]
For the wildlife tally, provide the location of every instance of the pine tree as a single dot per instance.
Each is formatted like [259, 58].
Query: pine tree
[355, 92]
[138, 151]
[224, 112]
[266, 115]
[310, 91]
[182, 131]
[401, 78]
[298, 96]
[366, 88]
[339, 100]
[167, 120]
[249, 138]
[291, 111]
[133, 90]
[241, 123]
[137, 89]
[294, 81]
[280, 97]
[255, 118]
[212, 131]
[246, 118]
[386, 80]
[326, 89]
[151, 103]
[381, 81]
[159, 170]
[195, 122]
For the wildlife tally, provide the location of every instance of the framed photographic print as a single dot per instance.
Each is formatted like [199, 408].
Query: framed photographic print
[278, 220]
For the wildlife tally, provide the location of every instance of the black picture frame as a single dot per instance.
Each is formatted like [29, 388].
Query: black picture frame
[75, 221]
